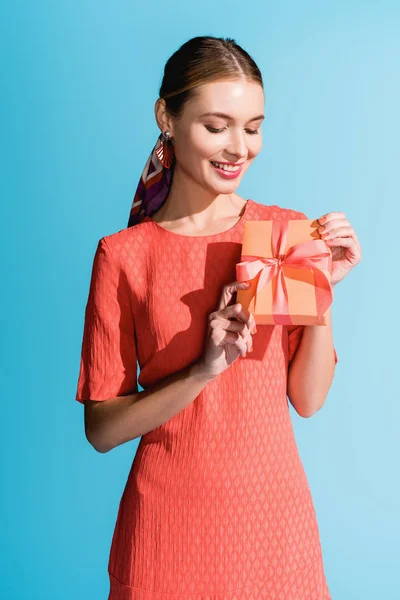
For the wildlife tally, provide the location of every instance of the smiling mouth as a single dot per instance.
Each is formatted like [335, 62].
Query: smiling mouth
[228, 168]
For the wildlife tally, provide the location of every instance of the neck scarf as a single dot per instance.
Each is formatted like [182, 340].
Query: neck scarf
[153, 187]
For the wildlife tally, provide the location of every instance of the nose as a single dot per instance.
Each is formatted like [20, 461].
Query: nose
[237, 146]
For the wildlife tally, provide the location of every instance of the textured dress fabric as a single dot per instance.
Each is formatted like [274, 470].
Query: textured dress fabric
[217, 505]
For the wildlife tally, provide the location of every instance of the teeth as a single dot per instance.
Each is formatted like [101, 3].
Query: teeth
[226, 167]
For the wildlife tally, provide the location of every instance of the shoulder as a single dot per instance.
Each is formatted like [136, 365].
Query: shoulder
[127, 243]
[275, 212]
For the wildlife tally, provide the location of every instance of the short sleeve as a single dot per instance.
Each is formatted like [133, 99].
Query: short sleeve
[108, 357]
[295, 333]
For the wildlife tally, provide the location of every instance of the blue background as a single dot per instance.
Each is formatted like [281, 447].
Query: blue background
[80, 80]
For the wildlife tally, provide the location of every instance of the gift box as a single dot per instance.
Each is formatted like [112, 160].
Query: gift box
[289, 266]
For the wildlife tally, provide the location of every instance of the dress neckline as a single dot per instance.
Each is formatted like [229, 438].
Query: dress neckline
[212, 235]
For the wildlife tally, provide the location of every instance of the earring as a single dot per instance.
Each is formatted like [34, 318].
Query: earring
[165, 152]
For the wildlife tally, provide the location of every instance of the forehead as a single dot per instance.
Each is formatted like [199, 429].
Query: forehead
[239, 98]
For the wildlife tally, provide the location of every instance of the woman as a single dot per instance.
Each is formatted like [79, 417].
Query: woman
[217, 504]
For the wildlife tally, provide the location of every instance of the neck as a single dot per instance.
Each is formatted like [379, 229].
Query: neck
[196, 207]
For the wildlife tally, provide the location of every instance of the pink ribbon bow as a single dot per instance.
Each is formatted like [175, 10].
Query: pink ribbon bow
[311, 255]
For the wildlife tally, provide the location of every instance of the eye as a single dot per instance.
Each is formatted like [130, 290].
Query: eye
[213, 130]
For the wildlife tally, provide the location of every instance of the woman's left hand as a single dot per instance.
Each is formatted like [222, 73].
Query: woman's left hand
[336, 230]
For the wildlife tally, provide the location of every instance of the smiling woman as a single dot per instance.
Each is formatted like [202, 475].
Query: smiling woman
[213, 145]
[217, 504]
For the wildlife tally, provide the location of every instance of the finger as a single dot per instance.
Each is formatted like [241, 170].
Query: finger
[242, 346]
[228, 325]
[332, 224]
[346, 242]
[329, 216]
[240, 327]
[228, 312]
[221, 336]
[340, 231]
[252, 324]
[229, 290]
[336, 224]
[246, 316]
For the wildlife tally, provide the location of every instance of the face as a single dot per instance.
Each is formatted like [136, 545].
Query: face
[200, 141]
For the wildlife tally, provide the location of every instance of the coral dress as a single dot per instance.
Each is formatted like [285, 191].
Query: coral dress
[216, 505]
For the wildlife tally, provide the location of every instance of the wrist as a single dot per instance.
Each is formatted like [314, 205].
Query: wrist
[199, 372]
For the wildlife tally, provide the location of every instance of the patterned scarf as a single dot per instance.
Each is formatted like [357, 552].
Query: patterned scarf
[153, 188]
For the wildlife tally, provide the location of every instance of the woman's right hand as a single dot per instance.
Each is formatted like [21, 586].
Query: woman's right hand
[227, 339]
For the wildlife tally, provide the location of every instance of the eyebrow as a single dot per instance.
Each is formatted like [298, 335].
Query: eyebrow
[224, 116]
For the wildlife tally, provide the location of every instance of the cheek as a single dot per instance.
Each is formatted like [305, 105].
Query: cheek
[206, 145]
[195, 148]
[255, 145]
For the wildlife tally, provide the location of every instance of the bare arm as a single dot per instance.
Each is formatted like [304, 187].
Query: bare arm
[312, 370]
[110, 423]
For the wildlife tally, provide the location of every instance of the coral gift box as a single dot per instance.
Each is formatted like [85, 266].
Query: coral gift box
[289, 268]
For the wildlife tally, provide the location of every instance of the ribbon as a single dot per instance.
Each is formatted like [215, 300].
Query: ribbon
[312, 255]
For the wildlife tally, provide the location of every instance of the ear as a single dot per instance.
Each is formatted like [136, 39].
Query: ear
[162, 116]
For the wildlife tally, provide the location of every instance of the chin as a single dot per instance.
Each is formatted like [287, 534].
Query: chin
[224, 189]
